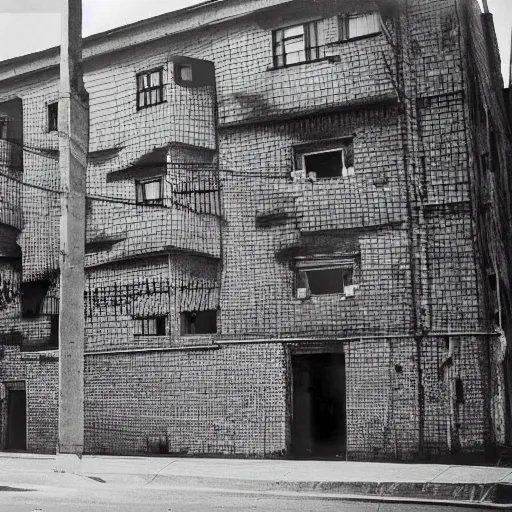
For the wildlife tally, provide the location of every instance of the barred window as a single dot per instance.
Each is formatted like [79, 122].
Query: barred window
[150, 88]
[150, 326]
[360, 25]
[299, 43]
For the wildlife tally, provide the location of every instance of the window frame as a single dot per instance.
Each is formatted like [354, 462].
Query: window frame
[303, 265]
[325, 146]
[52, 121]
[185, 319]
[150, 88]
[311, 53]
[190, 69]
[160, 321]
[344, 27]
[142, 184]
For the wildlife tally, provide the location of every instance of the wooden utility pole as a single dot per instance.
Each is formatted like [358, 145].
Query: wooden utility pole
[73, 126]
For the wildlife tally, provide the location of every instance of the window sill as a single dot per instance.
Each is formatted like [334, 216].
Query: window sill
[139, 109]
[150, 336]
[332, 59]
[197, 336]
[342, 297]
[352, 39]
[322, 180]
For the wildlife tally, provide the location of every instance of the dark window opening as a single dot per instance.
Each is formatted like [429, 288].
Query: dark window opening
[32, 296]
[199, 322]
[359, 25]
[151, 326]
[299, 43]
[150, 88]
[54, 330]
[53, 117]
[325, 160]
[149, 192]
[325, 165]
[4, 122]
[328, 281]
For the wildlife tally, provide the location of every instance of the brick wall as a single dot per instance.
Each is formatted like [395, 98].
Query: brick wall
[407, 211]
[40, 373]
[230, 401]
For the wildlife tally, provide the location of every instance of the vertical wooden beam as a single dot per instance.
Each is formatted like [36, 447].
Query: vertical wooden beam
[73, 146]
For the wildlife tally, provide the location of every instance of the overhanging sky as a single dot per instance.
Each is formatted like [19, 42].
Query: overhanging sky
[28, 26]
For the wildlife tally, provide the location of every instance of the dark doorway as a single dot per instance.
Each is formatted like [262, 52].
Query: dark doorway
[16, 419]
[319, 411]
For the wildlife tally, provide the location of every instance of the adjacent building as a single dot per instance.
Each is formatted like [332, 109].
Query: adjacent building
[298, 234]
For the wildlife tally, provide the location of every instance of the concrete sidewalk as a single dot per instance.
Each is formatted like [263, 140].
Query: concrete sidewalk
[418, 483]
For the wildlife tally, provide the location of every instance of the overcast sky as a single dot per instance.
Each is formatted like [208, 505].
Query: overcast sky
[27, 26]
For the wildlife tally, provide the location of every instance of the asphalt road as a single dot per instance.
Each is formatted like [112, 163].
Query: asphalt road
[152, 499]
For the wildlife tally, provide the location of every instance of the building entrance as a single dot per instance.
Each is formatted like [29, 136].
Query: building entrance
[319, 406]
[16, 419]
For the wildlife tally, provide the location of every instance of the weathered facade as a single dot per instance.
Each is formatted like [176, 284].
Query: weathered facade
[298, 239]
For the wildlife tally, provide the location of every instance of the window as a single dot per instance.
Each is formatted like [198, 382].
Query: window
[325, 160]
[54, 330]
[33, 294]
[150, 326]
[53, 117]
[199, 322]
[360, 25]
[3, 128]
[300, 43]
[186, 73]
[324, 276]
[149, 192]
[150, 88]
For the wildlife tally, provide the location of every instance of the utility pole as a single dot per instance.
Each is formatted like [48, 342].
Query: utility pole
[73, 126]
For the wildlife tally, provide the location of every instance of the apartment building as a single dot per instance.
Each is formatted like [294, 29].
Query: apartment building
[297, 231]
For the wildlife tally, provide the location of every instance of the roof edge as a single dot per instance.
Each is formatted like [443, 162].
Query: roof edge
[184, 20]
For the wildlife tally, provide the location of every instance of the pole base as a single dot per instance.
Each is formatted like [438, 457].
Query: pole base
[68, 463]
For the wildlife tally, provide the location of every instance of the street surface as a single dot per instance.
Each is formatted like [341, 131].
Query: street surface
[102, 498]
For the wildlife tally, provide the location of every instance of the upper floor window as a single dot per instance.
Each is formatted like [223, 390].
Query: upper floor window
[149, 191]
[300, 43]
[359, 25]
[325, 159]
[185, 71]
[3, 128]
[324, 276]
[53, 117]
[150, 88]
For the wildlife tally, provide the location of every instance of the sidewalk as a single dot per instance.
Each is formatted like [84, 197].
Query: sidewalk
[418, 483]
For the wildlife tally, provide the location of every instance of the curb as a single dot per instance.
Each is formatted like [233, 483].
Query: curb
[491, 495]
